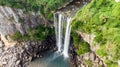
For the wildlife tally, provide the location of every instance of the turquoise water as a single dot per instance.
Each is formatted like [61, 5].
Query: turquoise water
[50, 60]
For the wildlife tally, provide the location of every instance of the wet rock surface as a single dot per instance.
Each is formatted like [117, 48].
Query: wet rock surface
[22, 53]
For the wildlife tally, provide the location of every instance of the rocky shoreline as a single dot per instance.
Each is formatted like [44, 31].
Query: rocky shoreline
[22, 53]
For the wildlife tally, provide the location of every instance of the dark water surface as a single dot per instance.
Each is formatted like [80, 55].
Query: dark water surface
[50, 60]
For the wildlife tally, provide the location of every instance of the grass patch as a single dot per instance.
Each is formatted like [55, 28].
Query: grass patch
[88, 62]
[111, 63]
[102, 52]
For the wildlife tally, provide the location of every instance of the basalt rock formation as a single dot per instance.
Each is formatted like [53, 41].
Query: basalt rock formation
[24, 52]
[19, 54]
[13, 20]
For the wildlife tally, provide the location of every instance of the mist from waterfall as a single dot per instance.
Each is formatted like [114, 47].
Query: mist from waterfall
[62, 31]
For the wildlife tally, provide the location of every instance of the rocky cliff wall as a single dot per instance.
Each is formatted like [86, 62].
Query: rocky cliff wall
[13, 20]
[19, 54]
[22, 53]
[89, 38]
[89, 59]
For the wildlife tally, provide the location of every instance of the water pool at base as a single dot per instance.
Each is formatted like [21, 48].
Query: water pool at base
[50, 60]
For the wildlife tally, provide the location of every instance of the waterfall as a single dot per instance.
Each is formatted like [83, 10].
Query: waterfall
[67, 38]
[62, 31]
[58, 31]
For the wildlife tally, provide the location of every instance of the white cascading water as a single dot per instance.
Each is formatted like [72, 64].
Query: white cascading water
[58, 32]
[67, 38]
[62, 31]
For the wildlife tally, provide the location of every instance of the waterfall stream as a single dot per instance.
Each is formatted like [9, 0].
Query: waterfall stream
[62, 30]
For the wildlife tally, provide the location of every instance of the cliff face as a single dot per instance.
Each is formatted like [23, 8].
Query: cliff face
[89, 58]
[97, 18]
[13, 20]
[22, 53]
[19, 54]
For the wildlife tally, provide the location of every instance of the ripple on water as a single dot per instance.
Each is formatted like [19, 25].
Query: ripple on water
[50, 60]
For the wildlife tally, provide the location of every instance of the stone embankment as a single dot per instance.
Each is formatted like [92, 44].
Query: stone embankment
[22, 53]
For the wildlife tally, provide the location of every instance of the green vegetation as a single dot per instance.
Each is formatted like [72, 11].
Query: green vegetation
[88, 62]
[80, 45]
[102, 18]
[44, 6]
[38, 33]
[102, 51]
[20, 20]
[17, 36]
[99, 17]
[111, 63]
